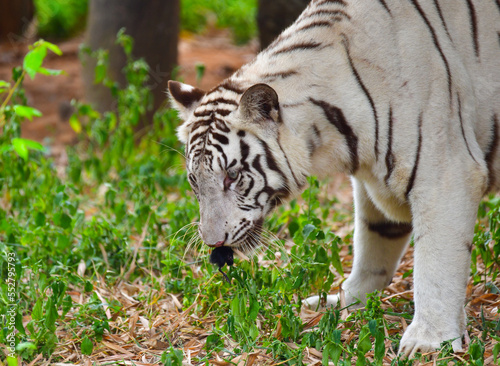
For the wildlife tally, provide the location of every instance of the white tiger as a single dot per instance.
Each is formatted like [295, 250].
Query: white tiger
[404, 95]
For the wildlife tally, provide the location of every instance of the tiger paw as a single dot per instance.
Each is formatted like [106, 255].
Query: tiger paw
[423, 338]
[317, 303]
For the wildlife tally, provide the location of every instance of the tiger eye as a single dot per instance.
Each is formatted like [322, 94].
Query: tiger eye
[232, 174]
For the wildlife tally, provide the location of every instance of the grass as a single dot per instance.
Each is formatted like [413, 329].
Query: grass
[100, 267]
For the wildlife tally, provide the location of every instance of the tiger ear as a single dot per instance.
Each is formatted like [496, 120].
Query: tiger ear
[185, 97]
[260, 103]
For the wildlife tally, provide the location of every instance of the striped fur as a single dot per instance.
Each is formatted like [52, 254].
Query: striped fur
[403, 95]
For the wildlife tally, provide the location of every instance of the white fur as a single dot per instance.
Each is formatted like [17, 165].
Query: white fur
[396, 58]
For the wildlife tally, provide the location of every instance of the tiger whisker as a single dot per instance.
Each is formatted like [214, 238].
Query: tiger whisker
[170, 148]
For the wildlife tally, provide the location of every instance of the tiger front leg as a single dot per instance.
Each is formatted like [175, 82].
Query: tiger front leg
[444, 211]
[379, 244]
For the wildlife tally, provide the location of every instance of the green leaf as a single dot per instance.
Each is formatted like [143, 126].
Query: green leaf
[87, 346]
[53, 48]
[100, 73]
[335, 352]
[496, 351]
[379, 347]
[20, 148]
[39, 219]
[67, 304]
[19, 324]
[25, 345]
[51, 315]
[33, 60]
[308, 229]
[65, 221]
[37, 313]
[11, 361]
[253, 332]
[33, 145]
[75, 124]
[364, 343]
[372, 325]
[321, 256]
[4, 86]
[254, 309]
[88, 286]
[27, 112]
[50, 72]
[235, 306]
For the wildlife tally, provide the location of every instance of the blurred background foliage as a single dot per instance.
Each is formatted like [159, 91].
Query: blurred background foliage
[59, 19]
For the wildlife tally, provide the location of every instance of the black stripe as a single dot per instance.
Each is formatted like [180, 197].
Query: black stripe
[220, 100]
[258, 167]
[367, 94]
[271, 162]
[221, 138]
[462, 127]
[247, 207]
[331, 13]
[436, 44]
[250, 186]
[297, 183]
[317, 132]
[389, 156]
[200, 124]
[317, 24]
[233, 163]
[244, 151]
[205, 113]
[244, 224]
[196, 136]
[491, 153]
[231, 86]
[223, 112]
[473, 26]
[440, 13]
[383, 3]
[221, 125]
[411, 181]
[336, 118]
[498, 4]
[338, 2]
[282, 74]
[391, 230]
[298, 47]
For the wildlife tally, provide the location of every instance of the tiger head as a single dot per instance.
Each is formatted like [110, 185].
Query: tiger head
[235, 163]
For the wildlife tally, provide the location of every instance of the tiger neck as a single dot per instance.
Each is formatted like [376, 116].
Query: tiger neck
[311, 137]
[316, 74]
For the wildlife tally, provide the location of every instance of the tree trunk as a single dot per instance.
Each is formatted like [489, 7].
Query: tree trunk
[154, 26]
[15, 17]
[274, 16]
